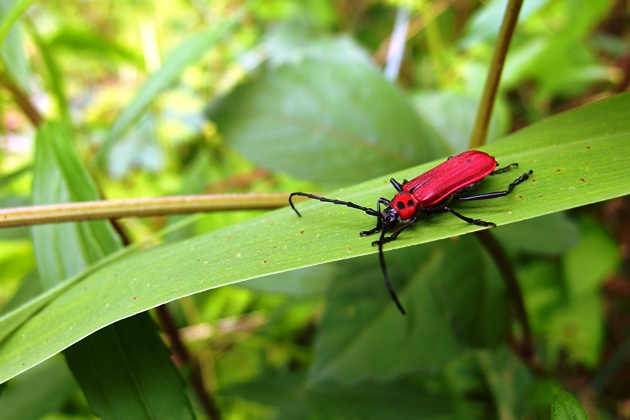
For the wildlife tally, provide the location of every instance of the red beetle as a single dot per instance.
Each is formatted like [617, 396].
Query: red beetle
[429, 193]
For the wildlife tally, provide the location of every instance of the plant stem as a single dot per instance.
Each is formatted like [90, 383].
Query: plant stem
[140, 207]
[482, 120]
[525, 348]
[181, 353]
[21, 100]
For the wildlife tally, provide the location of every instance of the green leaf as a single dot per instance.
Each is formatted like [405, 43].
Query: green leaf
[579, 157]
[547, 235]
[125, 370]
[507, 378]
[436, 285]
[452, 115]
[578, 329]
[292, 398]
[486, 21]
[339, 111]
[41, 390]
[126, 373]
[88, 42]
[182, 56]
[12, 42]
[564, 406]
[60, 177]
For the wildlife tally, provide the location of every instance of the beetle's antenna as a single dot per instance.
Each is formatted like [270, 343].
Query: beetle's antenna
[388, 283]
[368, 210]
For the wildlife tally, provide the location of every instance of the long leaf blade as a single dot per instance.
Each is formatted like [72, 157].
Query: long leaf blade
[578, 158]
[117, 366]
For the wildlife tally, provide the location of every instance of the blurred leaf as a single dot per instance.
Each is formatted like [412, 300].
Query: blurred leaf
[124, 370]
[486, 21]
[508, 379]
[8, 178]
[290, 398]
[30, 287]
[138, 149]
[575, 63]
[578, 329]
[295, 41]
[12, 10]
[359, 316]
[547, 235]
[325, 119]
[379, 401]
[578, 157]
[41, 390]
[87, 42]
[436, 286]
[452, 115]
[566, 407]
[595, 257]
[55, 77]
[13, 53]
[182, 56]
[543, 291]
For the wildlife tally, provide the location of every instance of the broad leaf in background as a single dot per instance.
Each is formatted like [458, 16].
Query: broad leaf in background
[39, 391]
[289, 398]
[436, 285]
[452, 116]
[335, 108]
[114, 370]
[550, 235]
[579, 157]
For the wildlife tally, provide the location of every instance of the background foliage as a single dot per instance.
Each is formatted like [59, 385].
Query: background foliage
[148, 99]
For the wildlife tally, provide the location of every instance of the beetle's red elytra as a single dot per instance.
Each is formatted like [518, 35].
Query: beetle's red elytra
[429, 193]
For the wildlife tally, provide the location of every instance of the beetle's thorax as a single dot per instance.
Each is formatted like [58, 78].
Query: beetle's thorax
[405, 205]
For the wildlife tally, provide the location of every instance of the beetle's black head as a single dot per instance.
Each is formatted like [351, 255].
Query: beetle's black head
[389, 219]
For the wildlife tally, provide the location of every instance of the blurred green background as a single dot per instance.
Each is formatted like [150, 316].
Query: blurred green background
[192, 97]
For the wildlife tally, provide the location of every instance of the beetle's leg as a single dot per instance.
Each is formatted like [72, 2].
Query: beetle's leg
[505, 168]
[379, 222]
[388, 282]
[486, 196]
[368, 210]
[397, 185]
[472, 221]
[397, 232]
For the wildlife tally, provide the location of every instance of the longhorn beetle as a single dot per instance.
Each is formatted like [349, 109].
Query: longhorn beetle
[429, 193]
